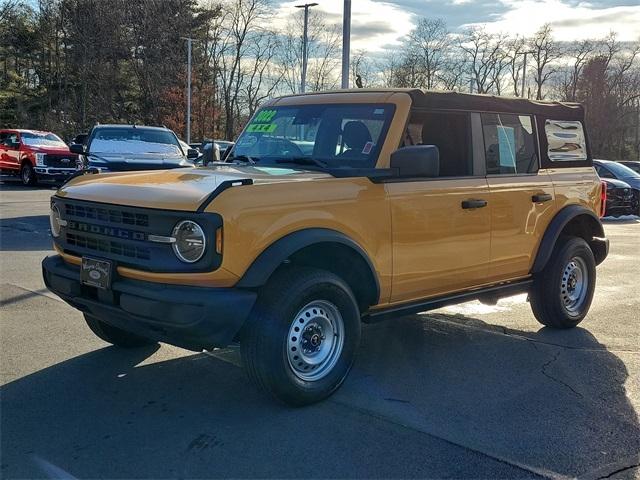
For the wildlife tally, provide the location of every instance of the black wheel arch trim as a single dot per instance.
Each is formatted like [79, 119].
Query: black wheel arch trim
[280, 250]
[557, 224]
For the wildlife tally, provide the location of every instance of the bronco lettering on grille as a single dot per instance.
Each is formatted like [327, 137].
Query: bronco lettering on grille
[107, 231]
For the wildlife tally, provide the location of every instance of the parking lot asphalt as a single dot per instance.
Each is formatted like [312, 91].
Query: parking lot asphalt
[469, 391]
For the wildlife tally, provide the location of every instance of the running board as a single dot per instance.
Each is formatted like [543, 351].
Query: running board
[492, 293]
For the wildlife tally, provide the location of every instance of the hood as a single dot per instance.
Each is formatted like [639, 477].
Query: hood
[615, 183]
[122, 162]
[183, 189]
[53, 150]
[632, 181]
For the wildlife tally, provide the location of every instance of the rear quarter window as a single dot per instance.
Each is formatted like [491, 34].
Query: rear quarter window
[565, 141]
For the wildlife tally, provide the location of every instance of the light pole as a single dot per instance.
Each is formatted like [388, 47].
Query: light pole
[524, 71]
[303, 80]
[346, 42]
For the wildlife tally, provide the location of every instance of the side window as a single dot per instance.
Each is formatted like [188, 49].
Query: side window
[566, 141]
[450, 132]
[603, 172]
[509, 142]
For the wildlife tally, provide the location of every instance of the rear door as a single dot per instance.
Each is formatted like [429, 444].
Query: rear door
[441, 226]
[521, 195]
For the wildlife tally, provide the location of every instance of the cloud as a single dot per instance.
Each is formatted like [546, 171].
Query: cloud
[570, 20]
[373, 23]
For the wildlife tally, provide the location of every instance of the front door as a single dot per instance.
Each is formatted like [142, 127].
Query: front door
[10, 151]
[441, 226]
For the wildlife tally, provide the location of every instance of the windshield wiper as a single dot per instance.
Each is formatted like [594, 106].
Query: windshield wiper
[303, 161]
[244, 158]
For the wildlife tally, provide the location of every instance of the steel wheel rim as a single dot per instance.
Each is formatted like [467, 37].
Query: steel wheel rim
[574, 285]
[315, 340]
[26, 174]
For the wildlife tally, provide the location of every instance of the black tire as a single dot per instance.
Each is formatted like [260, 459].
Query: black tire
[267, 340]
[557, 297]
[28, 174]
[116, 336]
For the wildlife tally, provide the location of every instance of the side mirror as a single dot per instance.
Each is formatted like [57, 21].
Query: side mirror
[416, 161]
[192, 153]
[77, 148]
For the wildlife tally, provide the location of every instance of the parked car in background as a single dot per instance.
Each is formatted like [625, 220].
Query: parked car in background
[79, 139]
[608, 170]
[224, 146]
[111, 148]
[632, 164]
[35, 156]
[621, 198]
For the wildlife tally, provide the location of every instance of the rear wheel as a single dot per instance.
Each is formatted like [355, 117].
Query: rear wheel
[562, 292]
[300, 340]
[27, 174]
[116, 336]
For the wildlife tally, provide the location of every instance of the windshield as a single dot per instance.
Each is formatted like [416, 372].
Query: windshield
[134, 140]
[42, 140]
[333, 135]
[621, 171]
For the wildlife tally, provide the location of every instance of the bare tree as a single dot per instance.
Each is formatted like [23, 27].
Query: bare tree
[323, 53]
[429, 43]
[544, 51]
[486, 57]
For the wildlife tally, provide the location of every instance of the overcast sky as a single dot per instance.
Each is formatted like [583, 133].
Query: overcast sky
[378, 25]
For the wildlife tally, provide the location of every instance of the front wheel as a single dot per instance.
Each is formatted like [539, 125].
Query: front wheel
[27, 174]
[563, 290]
[301, 338]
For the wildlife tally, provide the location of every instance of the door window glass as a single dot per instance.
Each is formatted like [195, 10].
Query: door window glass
[509, 143]
[450, 132]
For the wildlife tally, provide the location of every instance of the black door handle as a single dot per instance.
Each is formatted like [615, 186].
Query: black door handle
[474, 203]
[541, 197]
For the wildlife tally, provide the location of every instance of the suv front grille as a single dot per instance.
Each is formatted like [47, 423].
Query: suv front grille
[109, 215]
[80, 241]
[121, 234]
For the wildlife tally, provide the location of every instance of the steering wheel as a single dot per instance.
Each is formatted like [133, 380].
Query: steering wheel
[278, 146]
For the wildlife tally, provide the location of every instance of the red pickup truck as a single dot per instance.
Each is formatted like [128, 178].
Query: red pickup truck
[35, 156]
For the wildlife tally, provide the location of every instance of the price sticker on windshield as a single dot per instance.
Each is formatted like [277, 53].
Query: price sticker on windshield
[262, 127]
[265, 116]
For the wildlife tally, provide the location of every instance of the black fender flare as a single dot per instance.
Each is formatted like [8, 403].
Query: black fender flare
[280, 250]
[555, 227]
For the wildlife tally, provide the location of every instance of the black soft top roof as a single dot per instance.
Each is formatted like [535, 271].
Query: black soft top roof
[490, 103]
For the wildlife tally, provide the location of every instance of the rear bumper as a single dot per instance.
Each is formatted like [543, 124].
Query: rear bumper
[195, 318]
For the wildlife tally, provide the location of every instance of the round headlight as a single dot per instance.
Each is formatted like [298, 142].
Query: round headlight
[54, 220]
[190, 241]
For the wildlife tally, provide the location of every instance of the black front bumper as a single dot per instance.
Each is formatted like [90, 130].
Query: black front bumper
[195, 318]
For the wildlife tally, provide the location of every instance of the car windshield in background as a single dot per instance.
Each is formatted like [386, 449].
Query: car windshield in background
[134, 140]
[42, 140]
[621, 171]
[332, 135]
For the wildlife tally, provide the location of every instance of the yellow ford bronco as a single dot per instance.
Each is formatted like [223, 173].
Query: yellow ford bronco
[334, 209]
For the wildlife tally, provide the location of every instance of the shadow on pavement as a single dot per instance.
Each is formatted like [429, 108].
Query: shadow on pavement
[554, 401]
[25, 233]
[521, 401]
[13, 184]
